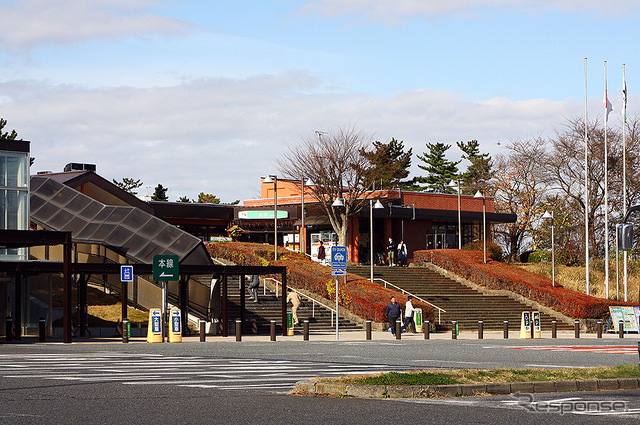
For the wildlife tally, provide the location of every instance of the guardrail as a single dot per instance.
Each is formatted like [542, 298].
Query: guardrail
[313, 302]
[440, 310]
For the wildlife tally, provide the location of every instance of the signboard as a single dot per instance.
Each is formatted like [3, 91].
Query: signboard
[537, 330]
[338, 272]
[166, 267]
[625, 314]
[338, 257]
[525, 325]
[261, 215]
[126, 273]
[154, 331]
[175, 326]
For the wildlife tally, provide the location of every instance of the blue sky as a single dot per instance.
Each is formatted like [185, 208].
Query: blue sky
[204, 96]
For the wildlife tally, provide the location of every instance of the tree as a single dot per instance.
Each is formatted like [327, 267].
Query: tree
[441, 170]
[479, 173]
[389, 164]
[184, 199]
[160, 194]
[207, 198]
[334, 162]
[128, 184]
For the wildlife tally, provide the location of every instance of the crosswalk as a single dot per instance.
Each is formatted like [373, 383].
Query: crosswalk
[184, 371]
[628, 350]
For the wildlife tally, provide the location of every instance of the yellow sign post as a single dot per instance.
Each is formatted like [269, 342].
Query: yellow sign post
[525, 325]
[154, 330]
[418, 328]
[537, 328]
[289, 323]
[175, 327]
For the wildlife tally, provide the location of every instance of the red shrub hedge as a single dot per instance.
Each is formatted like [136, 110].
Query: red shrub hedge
[496, 275]
[361, 297]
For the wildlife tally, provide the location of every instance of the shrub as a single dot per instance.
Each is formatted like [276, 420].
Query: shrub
[539, 256]
[570, 255]
[493, 251]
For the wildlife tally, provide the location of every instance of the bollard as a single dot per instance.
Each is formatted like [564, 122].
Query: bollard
[505, 329]
[480, 329]
[554, 329]
[203, 331]
[620, 329]
[273, 330]
[9, 328]
[425, 327]
[576, 328]
[125, 330]
[638, 355]
[599, 329]
[42, 330]
[454, 334]
[398, 329]
[368, 329]
[305, 330]
[238, 330]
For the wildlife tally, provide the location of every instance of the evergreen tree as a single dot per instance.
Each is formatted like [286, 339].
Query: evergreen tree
[478, 174]
[160, 194]
[184, 199]
[440, 170]
[128, 184]
[207, 198]
[389, 164]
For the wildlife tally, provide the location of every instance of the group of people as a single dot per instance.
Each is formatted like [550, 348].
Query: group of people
[400, 250]
[393, 313]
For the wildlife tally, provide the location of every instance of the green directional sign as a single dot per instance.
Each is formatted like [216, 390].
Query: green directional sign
[166, 267]
[261, 215]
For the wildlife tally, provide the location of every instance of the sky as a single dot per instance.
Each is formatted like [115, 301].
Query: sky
[206, 95]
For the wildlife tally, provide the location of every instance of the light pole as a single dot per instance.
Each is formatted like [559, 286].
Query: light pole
[484, 222]
[548, 214]
[456, 184]
[303, 233]
[378, 205]
[272, 178]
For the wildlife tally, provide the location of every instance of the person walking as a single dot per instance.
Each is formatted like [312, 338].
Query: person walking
[393, 313]
[408, 316]
[321, 253]
[294, 299]
[402, 253]
[254, 284]
[391, 252]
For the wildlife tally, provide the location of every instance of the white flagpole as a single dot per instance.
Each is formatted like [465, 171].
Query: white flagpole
[624, 168]
[606, 187]
[586, 182]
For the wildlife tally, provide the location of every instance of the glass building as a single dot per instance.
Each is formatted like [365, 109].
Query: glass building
[14, 192]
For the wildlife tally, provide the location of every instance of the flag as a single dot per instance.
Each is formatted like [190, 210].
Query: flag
[624, 98]
[607, 106]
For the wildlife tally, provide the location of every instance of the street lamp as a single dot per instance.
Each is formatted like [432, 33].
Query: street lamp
[456, 184]
[378, 205]
[272, 178]
[303, 234]
[548, 214]
[484, 222]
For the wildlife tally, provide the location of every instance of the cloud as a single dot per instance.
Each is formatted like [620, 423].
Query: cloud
[220, 135]
[30, 23]
[395, 12]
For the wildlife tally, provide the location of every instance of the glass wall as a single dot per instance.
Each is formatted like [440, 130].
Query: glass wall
[14, 198]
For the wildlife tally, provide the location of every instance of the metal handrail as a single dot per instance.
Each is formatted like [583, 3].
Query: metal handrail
[440, 310]
[313, 302]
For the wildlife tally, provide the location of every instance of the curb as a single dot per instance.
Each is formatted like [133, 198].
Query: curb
[429, 391]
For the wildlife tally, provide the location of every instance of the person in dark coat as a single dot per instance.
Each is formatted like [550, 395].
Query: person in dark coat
[393, 313]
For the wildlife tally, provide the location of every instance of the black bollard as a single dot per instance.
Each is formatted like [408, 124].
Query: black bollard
[42, 330]
[454, 334]
[554, 329]
[576, 328]
[368, 329]
[203, 331]
[480, 329]
[125, 330]
[505, 329]
[599, 329]
[9, 328]
[426, 329]
[273, 330]
[305, 330]
[398, 329]
[238, 330]
[620, 329]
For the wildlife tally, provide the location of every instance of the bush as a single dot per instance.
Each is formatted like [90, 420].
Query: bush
[493, 251]
[570, 255]
[540, 256]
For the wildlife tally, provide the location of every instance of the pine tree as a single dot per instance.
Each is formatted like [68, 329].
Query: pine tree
[440, 170]
[389, 164]
[160, 194]
[478, 174]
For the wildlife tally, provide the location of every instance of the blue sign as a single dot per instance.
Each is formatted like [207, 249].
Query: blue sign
[339, 257]
[338, 272]
[155, 321]
[126, 273]
[175, 321]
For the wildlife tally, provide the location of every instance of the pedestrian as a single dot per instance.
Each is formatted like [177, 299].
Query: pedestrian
[321, 253]
[294, 299]
[391, 252]
[408, 316]
[402, 253]
[393, 313]
[254, 284]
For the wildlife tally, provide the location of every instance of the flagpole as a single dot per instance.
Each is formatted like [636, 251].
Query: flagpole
[586, 182]
[606, 187]
[624, 168]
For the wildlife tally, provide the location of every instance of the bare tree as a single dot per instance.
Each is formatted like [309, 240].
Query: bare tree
[335, 163]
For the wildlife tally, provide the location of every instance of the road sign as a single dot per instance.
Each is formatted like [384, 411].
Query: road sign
[338, 272]
[338, 257]
[166, 267]
[126, 273]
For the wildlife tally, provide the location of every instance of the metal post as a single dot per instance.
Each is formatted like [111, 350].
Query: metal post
[398, 329]
[305, 330]
[42, 330]
[273, 330]
[505, 329]
[9, 328]
[368, 329]
[480, 329]
[554, 329]
[454, 335]
[576, 328]
[620, 329]
[203, 331]
[125, 329]
[425, 329]
[599, 329]
[238, 330]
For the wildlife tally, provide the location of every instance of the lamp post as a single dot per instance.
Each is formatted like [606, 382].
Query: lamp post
[303, 233]
[456, 184]
[548, 214]
[484, 222]
[377, 205]
[272, 178]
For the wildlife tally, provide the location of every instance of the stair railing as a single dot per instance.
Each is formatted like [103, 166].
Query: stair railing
[277, 284]
[404, 292]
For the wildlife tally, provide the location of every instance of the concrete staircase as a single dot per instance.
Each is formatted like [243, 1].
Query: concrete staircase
[462, 304]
